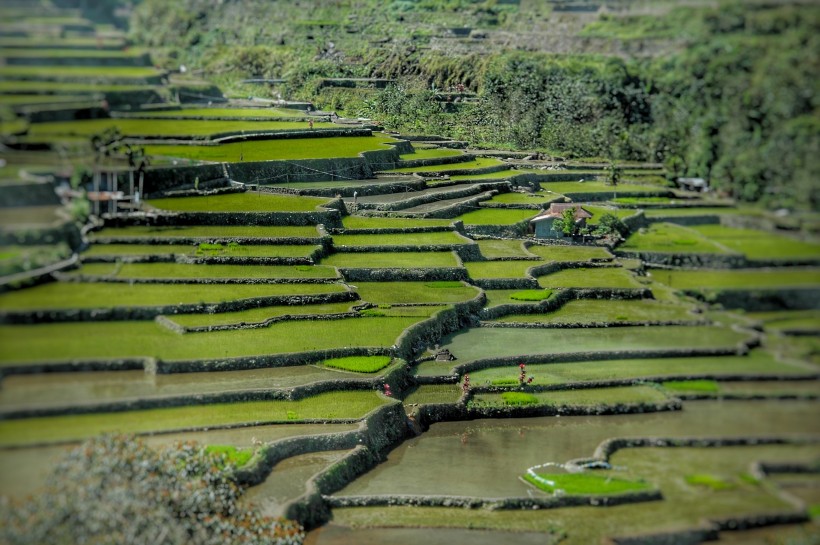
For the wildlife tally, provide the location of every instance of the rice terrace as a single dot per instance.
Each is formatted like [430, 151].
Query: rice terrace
[409, 271]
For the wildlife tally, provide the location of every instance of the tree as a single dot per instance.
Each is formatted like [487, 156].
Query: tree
[566, 223]
[610, 224]
[115, 489]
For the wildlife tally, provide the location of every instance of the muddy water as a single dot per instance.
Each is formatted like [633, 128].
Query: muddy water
[287, 481]
[25, 471]
[486, 457]
[59, 389]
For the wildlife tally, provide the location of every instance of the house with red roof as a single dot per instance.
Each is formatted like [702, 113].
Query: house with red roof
[543, 223]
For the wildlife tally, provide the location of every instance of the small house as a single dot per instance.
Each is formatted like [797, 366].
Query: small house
[693, 184]
[543, 223]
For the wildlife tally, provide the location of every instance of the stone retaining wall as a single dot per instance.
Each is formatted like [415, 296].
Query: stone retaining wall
[403, 274]
[785, 298]
[688, 260]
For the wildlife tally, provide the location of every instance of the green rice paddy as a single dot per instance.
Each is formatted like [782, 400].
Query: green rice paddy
[223, 112]
[757, 244]
[515, 197]
[364, 222]
[164, 127]
[493, 249]
[382, 260]
[57, 295]
[593, 277]
[101, 73]
[569, 253]
[190, 272]
[69, 341]
[582, 398]
[480, 162]
[403, 239]
[414, 292]
[433, 393]
[595, 187]
[432, 153]
[326, 406]
[585, 483]
[496, 216]
[248, 201]
[358, 364]
[258, 315]
[499, 269]
[498, 175]
[271, 150]
[211, 232]
[738, 278]
[202, 250]
[604, 311]
[671, 238]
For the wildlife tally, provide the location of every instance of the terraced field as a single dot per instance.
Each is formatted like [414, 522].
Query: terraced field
[390, 368]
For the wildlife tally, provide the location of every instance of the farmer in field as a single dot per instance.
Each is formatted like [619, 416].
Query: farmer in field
[310, 123]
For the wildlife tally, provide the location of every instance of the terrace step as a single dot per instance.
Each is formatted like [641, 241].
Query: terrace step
[411, 200]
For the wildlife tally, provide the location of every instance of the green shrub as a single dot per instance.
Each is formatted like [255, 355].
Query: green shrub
[231, 455]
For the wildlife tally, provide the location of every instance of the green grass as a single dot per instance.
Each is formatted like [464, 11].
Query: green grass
[236, 457]
[101, 73]
[696, 386]
[598, 277]
[708, 480]
[595, 187]
[432, 153]
[806, 320]
[515, 197]
[213, 232]
[248, 201]
[499, 269]
[381, 260]
[569, 253]
[166, 127]
[223, 112]
[257, 315]
[58, 53]
[694, 211]
[330, 405]
[643, 200]
[493, 249]
[364, 222]
[187, 271]
[585, 483]
[484, 343]
[69, 341]
[578, 398]
[358, 364]
[202, 250]
[433, 393]
[270, 150]
[402, 239]
[57, 295]
[496, 216]
[606, 311]
[738, 278]
[413, 292]
[61, 88]
[519, 399]
[671, 238]
[23, 100]
[531, 295]
[480, 162]
[756, 362]
[499, 175]
[758, 244]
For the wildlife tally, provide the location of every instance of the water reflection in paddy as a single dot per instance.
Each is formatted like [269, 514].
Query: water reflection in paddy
[58, 389]
[25, 470]
[486, 457]
[287, 481]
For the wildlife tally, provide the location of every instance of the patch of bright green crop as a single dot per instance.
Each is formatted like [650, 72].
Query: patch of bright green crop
[224, 112]
[248, 201]
[57, 295]
[326, 406]
[518, 399]
[203, 249]
[585, 483]
[433, 393]
[78, 72]
[700, 386]
[382, 260]
[257, 315]
[532, 295]
[597, 277]
[516, 197]
[58, 53]
[413, 292]
[236, 457]
[359, 364]
[596, 187]
[590, 397]
[710, 481]
[498, 175]
[272, 150]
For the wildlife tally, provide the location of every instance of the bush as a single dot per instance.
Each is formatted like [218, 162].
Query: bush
[115, 489]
